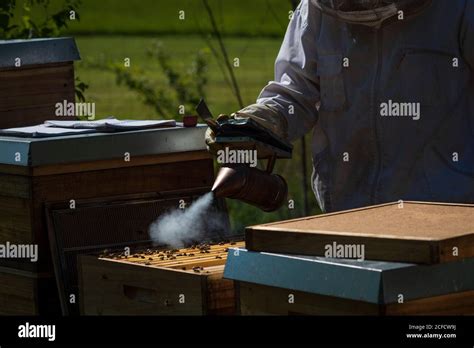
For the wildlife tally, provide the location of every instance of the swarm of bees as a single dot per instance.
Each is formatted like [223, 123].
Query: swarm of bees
[152, 256]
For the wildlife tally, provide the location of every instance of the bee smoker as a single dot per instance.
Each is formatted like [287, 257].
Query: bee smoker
[257, 187]
[260, 188]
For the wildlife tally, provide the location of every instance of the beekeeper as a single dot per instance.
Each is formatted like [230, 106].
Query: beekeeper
[388, 88]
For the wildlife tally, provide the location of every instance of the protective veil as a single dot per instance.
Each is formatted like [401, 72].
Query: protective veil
[371, 13]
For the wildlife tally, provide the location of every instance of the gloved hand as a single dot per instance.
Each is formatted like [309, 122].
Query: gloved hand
[262, 114]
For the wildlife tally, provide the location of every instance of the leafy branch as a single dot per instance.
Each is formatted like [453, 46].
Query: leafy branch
[29, 26]
[223, 50]
[80, 88]
[182, 88]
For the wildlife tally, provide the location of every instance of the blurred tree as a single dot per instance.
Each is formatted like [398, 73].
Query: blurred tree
[182, 91]
[221, 55]
[30, 25]
[38, 19]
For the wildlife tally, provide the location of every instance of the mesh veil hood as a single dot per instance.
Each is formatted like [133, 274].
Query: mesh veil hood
[369, 12]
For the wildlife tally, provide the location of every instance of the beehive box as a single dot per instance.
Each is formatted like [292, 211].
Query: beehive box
[279, 284]
[167, 162]
[257, 299]
[158, 282]
[27, 293]
[418, 232]
[35, 75]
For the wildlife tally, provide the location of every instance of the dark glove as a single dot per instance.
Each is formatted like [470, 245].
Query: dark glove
[261, 114]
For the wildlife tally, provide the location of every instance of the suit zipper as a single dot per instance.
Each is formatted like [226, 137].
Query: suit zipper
[376, 114]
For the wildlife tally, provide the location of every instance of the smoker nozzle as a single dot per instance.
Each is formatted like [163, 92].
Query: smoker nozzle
[251, 185]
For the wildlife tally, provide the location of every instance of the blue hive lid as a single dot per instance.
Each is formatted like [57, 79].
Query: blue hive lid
[38, 51]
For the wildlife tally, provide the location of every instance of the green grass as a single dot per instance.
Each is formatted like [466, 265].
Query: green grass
[256, 69]
[256, 55]
[150, 17]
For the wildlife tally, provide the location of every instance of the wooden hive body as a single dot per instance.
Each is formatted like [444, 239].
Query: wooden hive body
[282, 284]
[190, 284]
[50, 175]
[255, 299]
[35, 75]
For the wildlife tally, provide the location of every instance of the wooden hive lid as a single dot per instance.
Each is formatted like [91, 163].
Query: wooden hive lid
[393, 231]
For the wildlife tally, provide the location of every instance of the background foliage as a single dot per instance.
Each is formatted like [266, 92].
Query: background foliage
[35, 18]
[111, 30]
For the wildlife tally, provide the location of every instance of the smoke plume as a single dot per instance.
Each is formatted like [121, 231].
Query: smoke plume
[180, 227]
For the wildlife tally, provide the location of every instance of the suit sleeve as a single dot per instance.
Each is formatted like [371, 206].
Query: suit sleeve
[295, 91]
